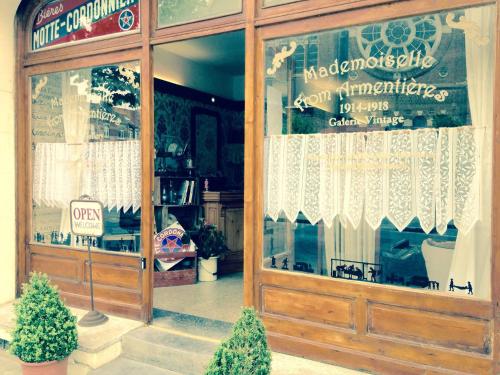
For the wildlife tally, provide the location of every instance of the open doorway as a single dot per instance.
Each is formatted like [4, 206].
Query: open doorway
[199, 169]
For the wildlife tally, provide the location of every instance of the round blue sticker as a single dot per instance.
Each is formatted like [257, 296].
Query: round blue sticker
[126, 20]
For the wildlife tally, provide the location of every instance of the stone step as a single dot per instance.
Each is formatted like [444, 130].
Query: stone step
[96, 345]
[192, 325]
[125, 366]
[175, 351]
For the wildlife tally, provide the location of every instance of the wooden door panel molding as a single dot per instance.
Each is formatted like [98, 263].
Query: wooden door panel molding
[118, 276]
[55, 267]
[329, 310]
[393, 296]
[127, 310]
[97, 256]
[352, 358]
[430, 328]
[103, 292]
[416, 354]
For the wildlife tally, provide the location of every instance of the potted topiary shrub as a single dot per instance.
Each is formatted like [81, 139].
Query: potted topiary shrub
[211, 246]
[246, 351]
[45, 333]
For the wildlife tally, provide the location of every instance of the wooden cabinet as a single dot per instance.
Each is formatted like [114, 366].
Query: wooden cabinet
[224, 209]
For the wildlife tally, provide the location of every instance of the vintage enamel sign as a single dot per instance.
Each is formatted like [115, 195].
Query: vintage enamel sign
[87, 218]
[169, 240]
[64, 21]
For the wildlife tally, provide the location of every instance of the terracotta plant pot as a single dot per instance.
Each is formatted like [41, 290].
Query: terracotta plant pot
[46, 368]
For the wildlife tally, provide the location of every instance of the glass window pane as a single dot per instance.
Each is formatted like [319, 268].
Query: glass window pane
[174, 12]
[85, 132]
[378, 155]
[67, 21]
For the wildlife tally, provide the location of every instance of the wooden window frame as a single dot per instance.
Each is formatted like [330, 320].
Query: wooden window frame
[301, 9]
[196, 28]
[115, 49]
[289, 333]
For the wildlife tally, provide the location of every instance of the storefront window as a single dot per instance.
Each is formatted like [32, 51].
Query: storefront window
[378, 156]
[174, 12]
[82, 145]
[66, 21]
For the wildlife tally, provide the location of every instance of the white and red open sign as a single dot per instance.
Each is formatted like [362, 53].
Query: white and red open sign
[87, 218]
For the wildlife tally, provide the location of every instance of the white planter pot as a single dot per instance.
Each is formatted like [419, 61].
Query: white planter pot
[207, 269]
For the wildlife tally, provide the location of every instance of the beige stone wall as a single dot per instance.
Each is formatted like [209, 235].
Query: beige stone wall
[7, 153]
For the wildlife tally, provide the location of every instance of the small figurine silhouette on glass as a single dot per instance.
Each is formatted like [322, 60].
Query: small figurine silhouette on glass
[284, 265]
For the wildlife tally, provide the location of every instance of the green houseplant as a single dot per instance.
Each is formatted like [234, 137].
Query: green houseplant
[211, 246]
[45, 333]
[246, 351]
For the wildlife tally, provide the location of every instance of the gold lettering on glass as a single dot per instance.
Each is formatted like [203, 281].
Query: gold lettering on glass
[471, 29]
[280, 57]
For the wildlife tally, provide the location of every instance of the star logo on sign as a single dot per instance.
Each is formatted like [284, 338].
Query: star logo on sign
[171, 244]
[126, 20]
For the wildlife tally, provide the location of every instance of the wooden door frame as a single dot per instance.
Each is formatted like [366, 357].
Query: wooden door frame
[116, 49]
[136, 46]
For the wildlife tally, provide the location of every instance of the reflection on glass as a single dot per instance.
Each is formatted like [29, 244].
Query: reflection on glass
[85, 132]
[174, 12]
[378, 152]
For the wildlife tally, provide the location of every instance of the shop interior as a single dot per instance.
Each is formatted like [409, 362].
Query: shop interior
[198, 183]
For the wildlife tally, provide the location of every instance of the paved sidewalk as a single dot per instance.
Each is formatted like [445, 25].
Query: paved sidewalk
[8, 364]
[114, 330]
[282, 365]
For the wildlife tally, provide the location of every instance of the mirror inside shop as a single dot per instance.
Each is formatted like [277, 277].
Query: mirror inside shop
[378, 152]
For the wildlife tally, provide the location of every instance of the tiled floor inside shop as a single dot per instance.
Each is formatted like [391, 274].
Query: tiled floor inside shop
[218, 300]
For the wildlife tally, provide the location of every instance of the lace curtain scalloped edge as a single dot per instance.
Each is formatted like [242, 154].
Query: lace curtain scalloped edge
[429, 174]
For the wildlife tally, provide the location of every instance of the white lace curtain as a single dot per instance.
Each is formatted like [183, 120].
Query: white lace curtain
[432, 174]
[107, 171]
[472, 254]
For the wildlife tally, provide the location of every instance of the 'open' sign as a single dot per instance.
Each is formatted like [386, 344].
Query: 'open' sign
[87, 218]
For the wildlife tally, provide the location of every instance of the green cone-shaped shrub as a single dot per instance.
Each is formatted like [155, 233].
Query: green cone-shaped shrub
[45, 329]
[245, 352]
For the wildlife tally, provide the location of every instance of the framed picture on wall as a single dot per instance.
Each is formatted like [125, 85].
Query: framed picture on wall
[205, 145]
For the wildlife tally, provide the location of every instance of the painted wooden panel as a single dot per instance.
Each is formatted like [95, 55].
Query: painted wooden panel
[234, 227]
[55, 267]
[117, 279]
[414, 354]
[335, 311]
[440, 329]
[114, 275]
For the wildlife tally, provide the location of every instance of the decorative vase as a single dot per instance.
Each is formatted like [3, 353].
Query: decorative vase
[207, 269]
[46, 368]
